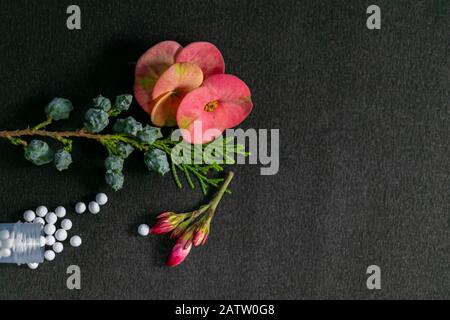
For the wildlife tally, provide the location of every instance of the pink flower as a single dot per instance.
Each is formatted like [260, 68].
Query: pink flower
[200, 238]
[201, 234]
[167, 222]
[167, 72]
[191, 229]
[181, 250]
[222, 102]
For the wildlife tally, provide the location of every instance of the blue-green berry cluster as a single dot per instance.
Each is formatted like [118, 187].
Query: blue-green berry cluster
[96, 120]
[63, 159]
[123, 102]
[102, 103]
[114, 179]
[59, 109]
[39, 153]
[129, 134]
[156, 160]
[149, 134]
[114, 176]
[128, 126]
[124, 150]
[114, 163]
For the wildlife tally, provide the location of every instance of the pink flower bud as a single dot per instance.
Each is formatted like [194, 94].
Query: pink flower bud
[200, 237]
[202, 231]
[180, 251]
[167, 222]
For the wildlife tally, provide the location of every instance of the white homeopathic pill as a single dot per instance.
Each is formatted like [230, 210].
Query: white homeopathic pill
[66, 224]
[101, 199]
[58, 247]
[75, 241]
[60, 212]
[51, 218]
[5, 253]
[4, 234]
[42, 241]
[7, 244]
[80, 208]
[33, 266]
[39, 220]
[94, 208]
[61, 235]
[50, 229]
[29, 216]
[144, 230]
[41, 211]
[49, 255]
[50, 240]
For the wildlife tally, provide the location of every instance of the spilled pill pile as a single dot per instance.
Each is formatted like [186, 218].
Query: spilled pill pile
[6, 243]
[41, 233]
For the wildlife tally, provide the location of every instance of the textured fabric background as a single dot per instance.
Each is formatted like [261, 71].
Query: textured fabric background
[365, 152]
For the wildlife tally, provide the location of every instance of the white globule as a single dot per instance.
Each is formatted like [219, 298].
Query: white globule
[4, 234]
[7, 244]
[66, 224]
[41, 211]
[94, 207]
[80, 208]
[58, 247]
[50, 229]
[5, 253]
[49, 255]
[51, 218]
[39, 220]
[50, 240]
[101, 199]
[60, 212]
[61, 235]
[33, 266]
[42, 241]
[144, 230]
[29, 216]
[75, 241]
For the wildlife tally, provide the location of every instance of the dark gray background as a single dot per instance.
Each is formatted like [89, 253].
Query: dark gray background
[365, 152]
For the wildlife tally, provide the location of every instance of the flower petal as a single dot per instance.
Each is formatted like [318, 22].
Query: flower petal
[234, 95]
[180, 77]
[164, 111]
[200, 126]
[205, 55]
[150, 67]
[179, 254]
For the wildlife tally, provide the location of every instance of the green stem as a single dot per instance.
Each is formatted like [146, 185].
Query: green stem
[43, 124]
[110, 141]
[188, 176]
[52, 134]
[215, 202]
[17, 141]
[175, 175]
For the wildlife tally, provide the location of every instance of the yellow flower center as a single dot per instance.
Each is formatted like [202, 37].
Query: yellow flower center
[211, 106]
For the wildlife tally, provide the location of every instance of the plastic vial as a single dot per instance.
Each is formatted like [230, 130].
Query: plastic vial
[20, 243]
